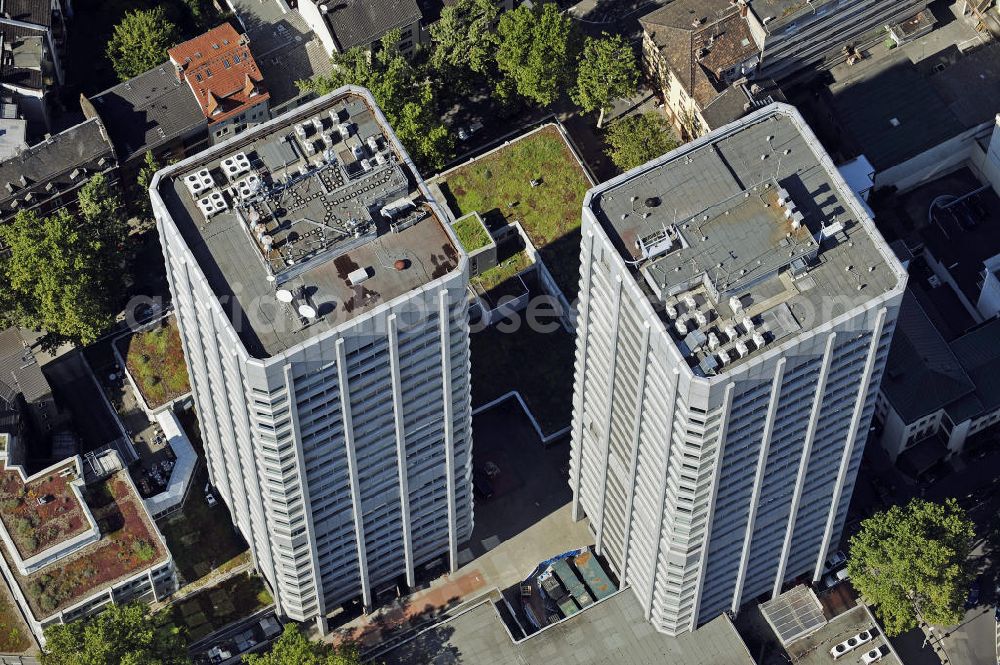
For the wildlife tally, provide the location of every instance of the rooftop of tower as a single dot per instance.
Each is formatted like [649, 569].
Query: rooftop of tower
[744, 238]
[307, 221]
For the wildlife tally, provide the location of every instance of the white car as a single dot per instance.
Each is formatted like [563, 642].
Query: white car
[210, 499]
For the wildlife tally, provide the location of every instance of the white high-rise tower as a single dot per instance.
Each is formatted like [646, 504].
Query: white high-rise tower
[321, 298]
[736, 309]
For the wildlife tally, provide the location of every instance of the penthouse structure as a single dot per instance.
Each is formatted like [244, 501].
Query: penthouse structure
[736, 308]
[320, 296]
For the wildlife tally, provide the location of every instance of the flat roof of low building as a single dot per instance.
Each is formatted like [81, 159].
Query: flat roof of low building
[775, 14]
[129, 544]
[610, 632]
[815, 648]
[745, 237]
[308, 221]
[42, 512]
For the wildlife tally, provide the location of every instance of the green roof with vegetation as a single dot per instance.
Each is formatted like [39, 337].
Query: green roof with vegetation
[471, 233]
[503, 271]
[155, 360]
[498, 186]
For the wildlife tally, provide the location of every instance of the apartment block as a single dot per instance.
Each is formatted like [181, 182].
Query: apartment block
[736, 308]
[321, 299]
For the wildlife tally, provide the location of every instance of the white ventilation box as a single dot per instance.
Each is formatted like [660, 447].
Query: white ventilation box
[235, 165]
[713, 341]
[872, 656]
[212, 204]
[748, 324]
[681, 327]
[358, 276]
[701, 318]
[199, 182]
[248, 186]
[758, 340]
[730, 333]
[852, 643]
[724, 358]
[742, 350]
[671, 312]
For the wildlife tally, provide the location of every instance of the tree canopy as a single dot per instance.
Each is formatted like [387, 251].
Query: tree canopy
[406, 97]
[463, 37]
[292, 648]
[912, 562]
[607, 71]
[62, 271]
[636, 139]
[140, 42]
[125, 634]
[536, 53]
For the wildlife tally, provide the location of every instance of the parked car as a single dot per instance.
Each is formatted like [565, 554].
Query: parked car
[464, 134]
[973, 598]
[836, 560]
[482, 485]
[996, 613]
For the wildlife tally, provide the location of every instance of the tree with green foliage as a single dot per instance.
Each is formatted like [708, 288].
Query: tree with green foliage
[912, 563]
[61, 271]
[607, 71]
[405, 95]
[292, 648]
[537, 49]
[636, 139]
[125, 634]
[463, 37]
[140, 42]
[145, 176]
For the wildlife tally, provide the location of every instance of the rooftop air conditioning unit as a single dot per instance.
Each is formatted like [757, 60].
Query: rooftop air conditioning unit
[235, 165]
[850, 644]
[199, 182]
[872, 656]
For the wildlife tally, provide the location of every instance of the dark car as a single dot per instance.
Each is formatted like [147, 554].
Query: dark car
[973, 598]
[481, 482]
[996, 613]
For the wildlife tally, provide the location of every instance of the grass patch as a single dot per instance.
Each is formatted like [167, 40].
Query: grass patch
[155, 360]
[214, 607]
[503, 271]
[198, 523]
[471, 233]
[536, 364]
[500, 183]
[14, 635]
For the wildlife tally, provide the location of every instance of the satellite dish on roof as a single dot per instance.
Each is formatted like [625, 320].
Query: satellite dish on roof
[283, 295]
[307, 311]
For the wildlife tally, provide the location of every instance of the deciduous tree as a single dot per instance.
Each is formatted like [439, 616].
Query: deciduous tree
[607, 71]
[636, 139]
[140, 42]
[292, 648]
[912, 562]
[63, 272]
[126, 634]
[463, 38]
[536, 52]
[404, 94]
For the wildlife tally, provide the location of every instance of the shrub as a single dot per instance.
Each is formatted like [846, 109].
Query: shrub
[143, 550]
[48, 602]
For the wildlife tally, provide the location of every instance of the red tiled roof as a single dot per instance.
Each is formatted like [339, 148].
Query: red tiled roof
[221, 72]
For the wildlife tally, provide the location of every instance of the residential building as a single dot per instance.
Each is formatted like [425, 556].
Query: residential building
[32, 35]
[72, 542]
[328, 350]
[48, 175]
[224, 79]
[916, 112]
[26, 402]
[736, 308]
[695, 51]
[919, 427]
[346, 24]
[797, 38]
[13, 128]
[154, 112]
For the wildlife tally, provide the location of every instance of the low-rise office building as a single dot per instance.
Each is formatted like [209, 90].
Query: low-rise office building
[343, 25]
[73, 543]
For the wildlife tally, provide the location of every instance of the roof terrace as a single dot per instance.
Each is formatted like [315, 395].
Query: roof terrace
[307, 221]
[129, 544]
[744, 238]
